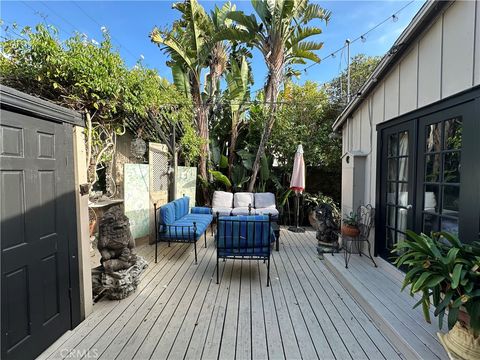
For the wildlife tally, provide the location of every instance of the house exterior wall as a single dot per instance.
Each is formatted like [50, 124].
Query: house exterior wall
[444, 60]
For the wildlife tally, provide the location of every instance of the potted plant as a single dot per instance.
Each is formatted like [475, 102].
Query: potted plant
[447, 274]
[313, 201]
[350, 225]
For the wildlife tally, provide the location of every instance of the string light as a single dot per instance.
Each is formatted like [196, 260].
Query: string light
[394, 18]
[363, 38]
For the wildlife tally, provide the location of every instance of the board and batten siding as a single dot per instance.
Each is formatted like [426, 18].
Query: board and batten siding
[442, 61]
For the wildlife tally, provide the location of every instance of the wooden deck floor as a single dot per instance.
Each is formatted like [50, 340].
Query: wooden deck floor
[179, 312]
[378, 291]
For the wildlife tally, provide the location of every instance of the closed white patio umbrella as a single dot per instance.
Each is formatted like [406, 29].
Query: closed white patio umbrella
[297, 183]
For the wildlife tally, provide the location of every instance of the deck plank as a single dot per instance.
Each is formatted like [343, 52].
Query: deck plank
[126, 346]
[244, 327]
[361, 326]
[104, 313]
[259, 328]
[213, 336]
[180, 312]
[228, 341]
[181, 296]
[187, 310]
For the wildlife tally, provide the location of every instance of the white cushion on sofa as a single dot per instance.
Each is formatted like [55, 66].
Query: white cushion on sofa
[222, 199]
[267, 211]
[222, 211]
[242, 210]
[264, 200]
[242, 199]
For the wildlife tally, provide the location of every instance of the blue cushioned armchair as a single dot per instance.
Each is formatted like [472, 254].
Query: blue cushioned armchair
[174, 223]
[245, 237]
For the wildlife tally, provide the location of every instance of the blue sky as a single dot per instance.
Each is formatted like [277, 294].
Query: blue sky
[129, 23]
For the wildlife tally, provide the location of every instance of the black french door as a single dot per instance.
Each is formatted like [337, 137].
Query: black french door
[397, 182]
[448, 182]
[429, 175]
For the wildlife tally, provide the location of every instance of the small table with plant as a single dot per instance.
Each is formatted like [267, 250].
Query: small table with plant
[355, 231]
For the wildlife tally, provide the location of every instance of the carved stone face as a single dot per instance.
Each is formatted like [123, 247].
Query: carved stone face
[114, 229]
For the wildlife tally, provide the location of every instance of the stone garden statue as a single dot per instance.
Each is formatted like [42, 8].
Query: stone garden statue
[326, 226]
[115, 243]
[119, 273]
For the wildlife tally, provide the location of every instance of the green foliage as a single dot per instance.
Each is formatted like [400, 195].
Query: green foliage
[314, 200]
[445, 271]
[221, 178]
[351, 219]
[305, 117]
[92, 78]
[361, 67]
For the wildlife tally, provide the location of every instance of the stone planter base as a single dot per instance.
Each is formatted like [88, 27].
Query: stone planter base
[460, 344]
[119, 284]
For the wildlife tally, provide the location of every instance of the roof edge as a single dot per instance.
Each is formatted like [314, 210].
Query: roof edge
[14, 99]
[426, 13]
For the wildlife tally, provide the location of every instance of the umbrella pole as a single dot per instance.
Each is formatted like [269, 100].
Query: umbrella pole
[296, 228]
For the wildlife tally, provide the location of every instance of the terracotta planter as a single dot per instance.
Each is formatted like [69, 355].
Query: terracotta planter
[351, 231]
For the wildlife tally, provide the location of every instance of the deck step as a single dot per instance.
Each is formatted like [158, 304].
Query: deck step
[377, 290]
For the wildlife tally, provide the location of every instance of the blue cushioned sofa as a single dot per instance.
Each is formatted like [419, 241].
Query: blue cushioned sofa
[245, 237]
[174, 223]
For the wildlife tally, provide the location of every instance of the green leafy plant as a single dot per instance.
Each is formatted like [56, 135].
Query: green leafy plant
[351, 219]
[313, 200]
[446, 272]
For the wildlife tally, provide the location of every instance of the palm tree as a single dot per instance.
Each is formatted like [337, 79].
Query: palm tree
[280, 37]
[192, 48]
[237, 95]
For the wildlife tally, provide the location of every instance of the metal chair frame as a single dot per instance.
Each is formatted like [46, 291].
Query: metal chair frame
[242, 252]
[179, 231]
[366, 214]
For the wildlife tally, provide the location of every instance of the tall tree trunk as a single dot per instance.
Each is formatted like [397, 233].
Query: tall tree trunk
[273, 85]
[231, 149]
[202, 131]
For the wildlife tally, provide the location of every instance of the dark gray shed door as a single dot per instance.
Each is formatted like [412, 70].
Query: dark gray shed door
[34, 234]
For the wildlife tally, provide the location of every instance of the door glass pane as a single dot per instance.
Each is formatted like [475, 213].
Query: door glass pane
[431, 197]
[400, 236]
[402, 219]
[392, 193]
[403, 194]
[430, 223]
[392, 145]
[451, 195]
[451, 167]
[453, 134]
[432, 168]
[403, 169]
[433, 138]
[391, 216]
[390, 238]
[450, 225]
[392, 169]
[403, 143]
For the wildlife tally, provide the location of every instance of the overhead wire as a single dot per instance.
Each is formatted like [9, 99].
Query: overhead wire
[113, 37]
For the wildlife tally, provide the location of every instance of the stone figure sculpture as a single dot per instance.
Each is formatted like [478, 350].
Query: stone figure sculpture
[115, 242]
[327, 228]
[119, 273]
